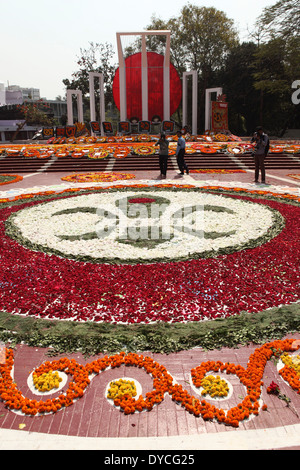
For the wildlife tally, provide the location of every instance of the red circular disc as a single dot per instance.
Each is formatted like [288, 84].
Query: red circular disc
[155, 86]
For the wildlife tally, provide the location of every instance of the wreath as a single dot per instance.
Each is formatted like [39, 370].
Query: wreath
[235, 149]
[98, 154]
[144, 138]
[144, 150]
[121, 152]
[221, 137]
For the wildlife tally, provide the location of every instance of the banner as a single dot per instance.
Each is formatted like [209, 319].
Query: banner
[219, 116]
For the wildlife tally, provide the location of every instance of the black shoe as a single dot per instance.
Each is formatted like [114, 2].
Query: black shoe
[181, 173]
[187, 171]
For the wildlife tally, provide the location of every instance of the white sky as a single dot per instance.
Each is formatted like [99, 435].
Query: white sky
[41, 39]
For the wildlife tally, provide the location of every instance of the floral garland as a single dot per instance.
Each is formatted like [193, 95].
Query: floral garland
[163, 383]
[191, 281]
[9, 179]
[203, 144]
[97, 177]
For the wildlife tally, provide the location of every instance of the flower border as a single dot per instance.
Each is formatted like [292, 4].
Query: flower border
[163, 383]
[16, 179]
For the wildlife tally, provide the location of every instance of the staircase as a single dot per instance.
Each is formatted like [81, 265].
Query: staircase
[132, 163]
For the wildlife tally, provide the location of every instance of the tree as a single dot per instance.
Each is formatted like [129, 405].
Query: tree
[97, 58]
[281, 19]
[237, 80]
[34, 114]
[277, 64]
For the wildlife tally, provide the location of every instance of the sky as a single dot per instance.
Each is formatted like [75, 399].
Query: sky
[41, 39]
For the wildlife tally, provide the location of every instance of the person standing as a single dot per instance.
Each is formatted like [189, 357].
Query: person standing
[261, 150]
[163, 155]
[180, 152]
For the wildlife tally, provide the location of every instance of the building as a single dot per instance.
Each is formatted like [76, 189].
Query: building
[15, 95]
[27, 93]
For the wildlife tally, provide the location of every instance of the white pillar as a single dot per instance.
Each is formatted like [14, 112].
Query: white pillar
[145, 116]
[122, 80]
[194, 75]
[78, 93]
[167, 78]
[92, 76]
[208, 93]
[144, 65]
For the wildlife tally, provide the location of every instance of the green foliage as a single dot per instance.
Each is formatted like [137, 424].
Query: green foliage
[282, 18]
[35, 113]
[92, 338]
[97, 58]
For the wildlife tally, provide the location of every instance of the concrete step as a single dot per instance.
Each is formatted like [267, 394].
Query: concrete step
[19, 164]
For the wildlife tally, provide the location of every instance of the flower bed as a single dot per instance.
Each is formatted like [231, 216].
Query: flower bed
[247, 276]
[97, 177]
[9, 179]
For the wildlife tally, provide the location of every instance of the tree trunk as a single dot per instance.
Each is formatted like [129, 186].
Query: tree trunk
[261, 117]
[20, 127]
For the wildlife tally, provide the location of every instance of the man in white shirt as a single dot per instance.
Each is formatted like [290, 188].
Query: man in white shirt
[180, 152]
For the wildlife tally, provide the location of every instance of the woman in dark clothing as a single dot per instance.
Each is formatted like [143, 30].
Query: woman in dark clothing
[163, 155]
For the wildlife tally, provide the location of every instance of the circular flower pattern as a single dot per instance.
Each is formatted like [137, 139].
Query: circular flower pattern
[170, 229]
[250, 279]
[47, 383]
[119, 389]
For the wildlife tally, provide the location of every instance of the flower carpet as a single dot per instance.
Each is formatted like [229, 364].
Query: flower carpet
[71, 263]
[245, 260]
